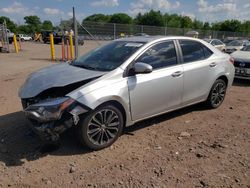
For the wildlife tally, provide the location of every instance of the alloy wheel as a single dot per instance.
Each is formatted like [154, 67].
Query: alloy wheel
[103, 127]
[218, 94]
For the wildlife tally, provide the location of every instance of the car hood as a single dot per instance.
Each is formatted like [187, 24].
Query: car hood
[241, 55]
[55, 76]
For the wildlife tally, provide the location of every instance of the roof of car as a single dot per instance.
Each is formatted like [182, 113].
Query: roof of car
[242, 40]
[147, 39]
[208, 40]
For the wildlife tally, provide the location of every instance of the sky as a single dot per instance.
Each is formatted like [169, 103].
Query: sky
[55, 10]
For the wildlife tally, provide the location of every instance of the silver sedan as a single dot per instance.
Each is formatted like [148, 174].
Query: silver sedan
[123, 82]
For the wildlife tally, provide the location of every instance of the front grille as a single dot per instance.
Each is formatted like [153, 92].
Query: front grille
[240, 64]
[246, 75]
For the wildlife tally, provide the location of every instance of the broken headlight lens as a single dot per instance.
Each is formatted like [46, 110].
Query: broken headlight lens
[49, 109]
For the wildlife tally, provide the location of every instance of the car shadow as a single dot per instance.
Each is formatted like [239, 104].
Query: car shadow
[19, 144]
[164, 117]
[241, 82]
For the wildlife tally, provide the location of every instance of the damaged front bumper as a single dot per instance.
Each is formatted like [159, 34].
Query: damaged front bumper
[51, 117]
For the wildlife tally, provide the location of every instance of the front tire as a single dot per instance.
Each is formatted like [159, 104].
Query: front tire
[217, 94]
[101, 127]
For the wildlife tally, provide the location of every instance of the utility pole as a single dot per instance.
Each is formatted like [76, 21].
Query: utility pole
[75, 33]
[6, 36]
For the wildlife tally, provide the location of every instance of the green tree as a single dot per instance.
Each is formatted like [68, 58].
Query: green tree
[47, 25]
[216, 26]
[33, 22]
[10, 24]
[197, 24]
[153, 18]
[186, 22]
[173, 20]
[98, 18]
[23, 29]
[206, 26]
[138, 19]
[231, 25]
[121, 18]
[245, 27]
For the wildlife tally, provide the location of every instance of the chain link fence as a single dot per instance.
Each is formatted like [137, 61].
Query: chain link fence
[110, 31]
[4, 41]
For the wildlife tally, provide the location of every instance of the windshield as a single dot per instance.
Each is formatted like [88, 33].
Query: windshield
[246, 48]
[235, 43]
[109, 56]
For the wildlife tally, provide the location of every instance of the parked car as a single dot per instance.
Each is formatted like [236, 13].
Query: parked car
[236, 45]
[217, 44]
[123, 82]
[141, 34]
[24, 37]
[58, 36]
[194, 34]
[242, 63]
[227, 40]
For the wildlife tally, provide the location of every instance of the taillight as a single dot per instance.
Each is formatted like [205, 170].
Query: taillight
[231, 60]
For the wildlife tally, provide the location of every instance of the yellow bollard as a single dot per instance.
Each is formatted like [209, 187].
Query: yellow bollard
[15, 43]
[71, 47]
[52, 46]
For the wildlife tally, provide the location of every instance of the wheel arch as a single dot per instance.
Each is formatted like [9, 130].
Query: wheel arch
[224, 78]
[121, 103]
[117, 105]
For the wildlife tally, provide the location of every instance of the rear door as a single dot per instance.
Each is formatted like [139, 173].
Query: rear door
[160, 90]
[199, 71]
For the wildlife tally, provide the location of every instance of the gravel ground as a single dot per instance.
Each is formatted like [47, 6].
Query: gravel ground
[192, 147]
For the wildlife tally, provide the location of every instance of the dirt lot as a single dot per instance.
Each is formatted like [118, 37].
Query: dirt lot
[192, 147]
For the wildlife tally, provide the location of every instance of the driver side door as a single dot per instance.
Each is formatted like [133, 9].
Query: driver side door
[161, 90]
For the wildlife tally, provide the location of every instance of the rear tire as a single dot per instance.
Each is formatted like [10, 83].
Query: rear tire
[217, 94]
[101, 127]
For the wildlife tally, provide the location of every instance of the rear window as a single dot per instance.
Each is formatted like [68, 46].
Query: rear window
[194, 51]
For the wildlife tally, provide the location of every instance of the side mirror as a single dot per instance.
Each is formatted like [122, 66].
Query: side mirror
[142, 68]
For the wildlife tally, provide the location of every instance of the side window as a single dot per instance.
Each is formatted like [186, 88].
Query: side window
[214, 42]
[219, 42]
[160, 55]
[207, 51]
[194, 51]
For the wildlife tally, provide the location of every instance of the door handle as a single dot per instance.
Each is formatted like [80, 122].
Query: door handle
[213, 64]
[177, 74]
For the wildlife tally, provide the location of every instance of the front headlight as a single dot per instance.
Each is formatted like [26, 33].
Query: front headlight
[49, 109]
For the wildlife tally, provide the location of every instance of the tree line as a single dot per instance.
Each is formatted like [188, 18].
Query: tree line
[32, 24]
[157, 18]
[152, 18]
